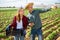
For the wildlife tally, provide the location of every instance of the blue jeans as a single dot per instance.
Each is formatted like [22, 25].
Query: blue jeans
[35, 32]
[18, 37]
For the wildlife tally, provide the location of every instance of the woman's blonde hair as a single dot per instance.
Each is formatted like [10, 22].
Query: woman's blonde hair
[18, 15]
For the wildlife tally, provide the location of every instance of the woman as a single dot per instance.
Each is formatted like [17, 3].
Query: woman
[19, 24]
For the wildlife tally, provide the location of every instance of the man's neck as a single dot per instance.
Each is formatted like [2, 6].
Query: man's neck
[30, 11]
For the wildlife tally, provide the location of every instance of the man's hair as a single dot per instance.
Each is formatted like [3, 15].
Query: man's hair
[29, 5]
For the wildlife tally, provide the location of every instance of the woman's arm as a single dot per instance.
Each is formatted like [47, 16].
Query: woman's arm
[13, 22]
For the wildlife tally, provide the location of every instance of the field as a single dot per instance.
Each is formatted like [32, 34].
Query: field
[50, 23]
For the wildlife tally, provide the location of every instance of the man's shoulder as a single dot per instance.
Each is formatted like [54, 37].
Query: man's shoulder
[35, 10]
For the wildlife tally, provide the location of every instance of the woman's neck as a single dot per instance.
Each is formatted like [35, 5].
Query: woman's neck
[21, 16]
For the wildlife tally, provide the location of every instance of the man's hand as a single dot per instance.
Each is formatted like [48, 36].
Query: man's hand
[31, 24]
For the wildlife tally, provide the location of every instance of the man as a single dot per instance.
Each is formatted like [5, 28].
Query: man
[35, 21]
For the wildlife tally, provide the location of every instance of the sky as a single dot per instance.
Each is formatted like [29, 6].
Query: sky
[19, 3]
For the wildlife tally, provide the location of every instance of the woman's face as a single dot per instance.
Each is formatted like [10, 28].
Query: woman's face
[21, 11]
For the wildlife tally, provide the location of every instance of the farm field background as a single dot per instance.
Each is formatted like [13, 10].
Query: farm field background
[50, 23]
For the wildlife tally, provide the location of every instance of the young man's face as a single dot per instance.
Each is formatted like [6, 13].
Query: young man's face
[30, 8]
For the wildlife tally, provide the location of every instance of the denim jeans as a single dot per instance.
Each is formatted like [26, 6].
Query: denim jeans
[18, 37]
[35, 32]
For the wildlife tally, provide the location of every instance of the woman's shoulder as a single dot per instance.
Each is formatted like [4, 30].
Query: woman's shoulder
[15, 17]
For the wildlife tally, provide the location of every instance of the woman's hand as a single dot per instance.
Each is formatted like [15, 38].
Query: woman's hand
[31, 24]
[12, 28]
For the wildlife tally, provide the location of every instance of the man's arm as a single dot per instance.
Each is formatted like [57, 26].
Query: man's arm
[31, 24]
[13, 22]
[44, 10]
[31, 21]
